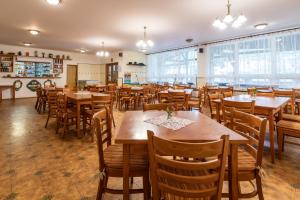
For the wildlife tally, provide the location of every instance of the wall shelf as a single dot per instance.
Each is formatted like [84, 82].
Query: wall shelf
[137, 64]
[32, 77]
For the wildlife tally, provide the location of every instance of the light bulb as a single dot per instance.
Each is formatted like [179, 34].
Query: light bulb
[139, 43]
[236, 24]
[222, 26]
[228, 19]
[241, 19]
[150, 43]
[217, 23]
[106, 54]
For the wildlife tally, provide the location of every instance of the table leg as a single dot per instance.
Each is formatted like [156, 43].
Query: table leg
[271, 131]
[13, 93]
[218, 112]
[78, 119]
[233, 171]
[0, 95]
[126, 153]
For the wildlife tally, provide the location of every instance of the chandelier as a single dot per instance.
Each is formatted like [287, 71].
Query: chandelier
[102, 53]
[235, 22]
[144, 44]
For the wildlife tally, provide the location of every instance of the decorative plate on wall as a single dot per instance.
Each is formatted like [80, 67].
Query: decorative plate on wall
[18, 84]
[33, 84]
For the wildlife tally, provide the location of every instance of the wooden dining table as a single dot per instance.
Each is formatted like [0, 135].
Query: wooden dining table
[132, 135]
[266, 106]
[80, 98]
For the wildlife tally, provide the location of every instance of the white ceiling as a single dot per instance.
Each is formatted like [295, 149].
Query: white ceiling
[79, 24]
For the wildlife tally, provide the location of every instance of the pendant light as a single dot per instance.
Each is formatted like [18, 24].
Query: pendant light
[144, 44]
[102, 53]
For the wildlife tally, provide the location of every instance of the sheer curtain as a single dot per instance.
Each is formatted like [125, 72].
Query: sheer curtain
[269, 60]
[173, 66]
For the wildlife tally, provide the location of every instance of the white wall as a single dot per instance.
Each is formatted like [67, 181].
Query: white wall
[25, 92]
[138, 74]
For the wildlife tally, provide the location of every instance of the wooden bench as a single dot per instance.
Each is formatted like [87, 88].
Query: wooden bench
[290, 128]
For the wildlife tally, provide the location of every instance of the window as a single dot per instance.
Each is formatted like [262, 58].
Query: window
[173, 66]
[264, 60]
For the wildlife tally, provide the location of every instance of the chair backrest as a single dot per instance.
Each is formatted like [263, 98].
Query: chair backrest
[193, 177]
[61, 102]
[227, 94]
[265, 94]
[178, 98]
[51, 99]
[247, 107]
[125, 91]
[287, 93]
[101, 127]
[99, 102]
[39, 92]
[111, 87]
[251, 91]
[93, 89]
[253, 128]
[160, 106]
[212, 104]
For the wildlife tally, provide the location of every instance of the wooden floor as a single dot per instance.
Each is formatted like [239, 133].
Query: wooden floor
[35, 164]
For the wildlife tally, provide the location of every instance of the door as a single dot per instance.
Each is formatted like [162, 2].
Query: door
[72, 76]
[112, 73]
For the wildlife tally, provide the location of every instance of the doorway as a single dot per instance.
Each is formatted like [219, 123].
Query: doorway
[112, 73]
[72, 76]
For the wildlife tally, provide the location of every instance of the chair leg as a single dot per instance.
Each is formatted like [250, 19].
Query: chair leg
[47, 120]
[280, 143]
[259, 188]
[146, 186]
[113, 119]
[84, 123]
[101, 186]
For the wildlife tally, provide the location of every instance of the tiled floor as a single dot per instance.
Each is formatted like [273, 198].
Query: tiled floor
[35, 164]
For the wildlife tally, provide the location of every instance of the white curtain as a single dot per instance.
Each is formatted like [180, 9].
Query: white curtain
[173, 66]
[271, 60]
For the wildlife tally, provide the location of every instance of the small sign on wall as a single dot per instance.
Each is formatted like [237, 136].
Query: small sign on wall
[33, 84]
[127, 77]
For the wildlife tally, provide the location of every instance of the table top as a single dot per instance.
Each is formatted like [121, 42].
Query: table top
[83, 95]
[133, 129]
[262, 102]
[187, 91]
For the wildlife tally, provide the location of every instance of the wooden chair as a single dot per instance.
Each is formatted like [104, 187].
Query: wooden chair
[145, 96]
[191, 178]
[251, 91]
[160, 106]
[179, 99]
[97, 103]
[249, 155]
[126, 98]
[65, 116]
[41, 100]
[291, 95]
[287, 128]
[213, 106]
[247, 107]
[195, 102]
[52, 106]
[111, 158]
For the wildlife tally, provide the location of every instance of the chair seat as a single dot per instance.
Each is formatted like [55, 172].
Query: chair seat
[193, 103]
[289, 117]
[113, 158]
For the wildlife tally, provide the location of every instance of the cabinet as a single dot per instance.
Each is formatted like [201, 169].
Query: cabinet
[6, 63]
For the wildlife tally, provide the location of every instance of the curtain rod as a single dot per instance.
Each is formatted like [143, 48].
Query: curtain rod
[252, 35]
[195, 45]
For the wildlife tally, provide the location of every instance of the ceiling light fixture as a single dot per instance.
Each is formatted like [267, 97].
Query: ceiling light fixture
[54, 2]
[33, 32]
[102, 53]
[83, 50]
[261, 26]
[27, 44]
[145, 44]
[235, 22]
